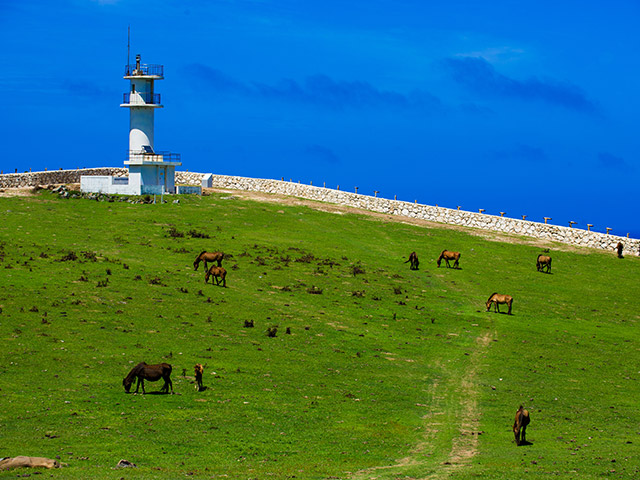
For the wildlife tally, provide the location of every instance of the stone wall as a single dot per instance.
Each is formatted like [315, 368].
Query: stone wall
[55, 177]
[572, 236]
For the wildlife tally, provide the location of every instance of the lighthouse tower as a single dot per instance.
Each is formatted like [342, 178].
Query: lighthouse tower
[149, 171]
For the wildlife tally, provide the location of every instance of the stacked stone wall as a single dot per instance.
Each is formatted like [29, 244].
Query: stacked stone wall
[571, 236]
[55, 177]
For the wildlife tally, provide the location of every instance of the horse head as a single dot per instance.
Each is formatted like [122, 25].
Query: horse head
[126, 383]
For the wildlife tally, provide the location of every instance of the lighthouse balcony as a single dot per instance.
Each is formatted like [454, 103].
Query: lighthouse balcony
[141, 98]
[148, 157]
[147, 70]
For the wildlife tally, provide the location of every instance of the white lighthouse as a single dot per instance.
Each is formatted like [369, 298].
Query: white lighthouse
[153, 171]
[150, 172]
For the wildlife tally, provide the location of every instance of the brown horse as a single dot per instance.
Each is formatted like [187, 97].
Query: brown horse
[497, 299]
[619, 248]
[143, 372]
[542, 262]
[198, 369]
[208, 257]
[413, 258]
[447, 255]
[520, 426]
[218, 273]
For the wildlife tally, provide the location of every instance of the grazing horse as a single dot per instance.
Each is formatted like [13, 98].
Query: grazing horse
[619, 248]
[542, 262]
[198, 370]
[520, 425]
[208, 257]
[447, 255]
[413, 258]
[143, 372]
[217, 273]
[497, 299]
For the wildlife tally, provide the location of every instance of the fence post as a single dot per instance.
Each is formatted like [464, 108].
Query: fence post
[572, 223]
[480, 210]
[502, 214]
[524, 216]
[589, 225]
[608, 230]
[547, 219]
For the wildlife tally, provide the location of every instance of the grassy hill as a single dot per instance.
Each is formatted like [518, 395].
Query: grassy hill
[376, 371]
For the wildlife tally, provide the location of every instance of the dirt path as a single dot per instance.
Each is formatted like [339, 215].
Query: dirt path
[464, 445]
[341, 209]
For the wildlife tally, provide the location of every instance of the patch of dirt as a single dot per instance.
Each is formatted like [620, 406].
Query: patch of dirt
[17, 192]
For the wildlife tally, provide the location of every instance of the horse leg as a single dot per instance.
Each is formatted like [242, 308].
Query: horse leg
[137, 385]
[523, 434]
[509, 312]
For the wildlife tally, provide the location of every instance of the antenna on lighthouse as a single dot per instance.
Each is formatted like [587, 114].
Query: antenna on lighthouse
[128, 43]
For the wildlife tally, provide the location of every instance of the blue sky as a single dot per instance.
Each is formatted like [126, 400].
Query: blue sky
[524, 107]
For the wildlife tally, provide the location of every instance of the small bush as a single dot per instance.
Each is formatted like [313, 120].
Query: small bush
[103, 283]
[195, 234]
[306, 258]
[397, 290]
[272, 331]
[90, 256]
[69, 257]
[155, 281]
[174, 233]
[358, 294]
[314, 290]
[357, 270]
[248, 324]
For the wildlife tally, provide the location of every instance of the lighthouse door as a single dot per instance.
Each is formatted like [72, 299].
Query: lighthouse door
[161, 179]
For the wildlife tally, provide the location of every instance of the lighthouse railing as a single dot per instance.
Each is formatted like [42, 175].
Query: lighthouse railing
[147, 69]
[147, 98]
[146, 156]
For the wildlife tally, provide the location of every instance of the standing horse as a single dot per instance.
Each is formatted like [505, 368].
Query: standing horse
[447, 255]
[217, 273]
[497, 299]
[143, 372]
[413, 258]
[208, 257]
[520, 425]
[542, 262]
[198, 369]
[619, 248]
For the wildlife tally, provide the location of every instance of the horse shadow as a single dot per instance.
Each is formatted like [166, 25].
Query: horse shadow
[525, 443]
[203, 389]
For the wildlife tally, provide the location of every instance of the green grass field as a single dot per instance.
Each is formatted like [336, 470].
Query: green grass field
[385, 373]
